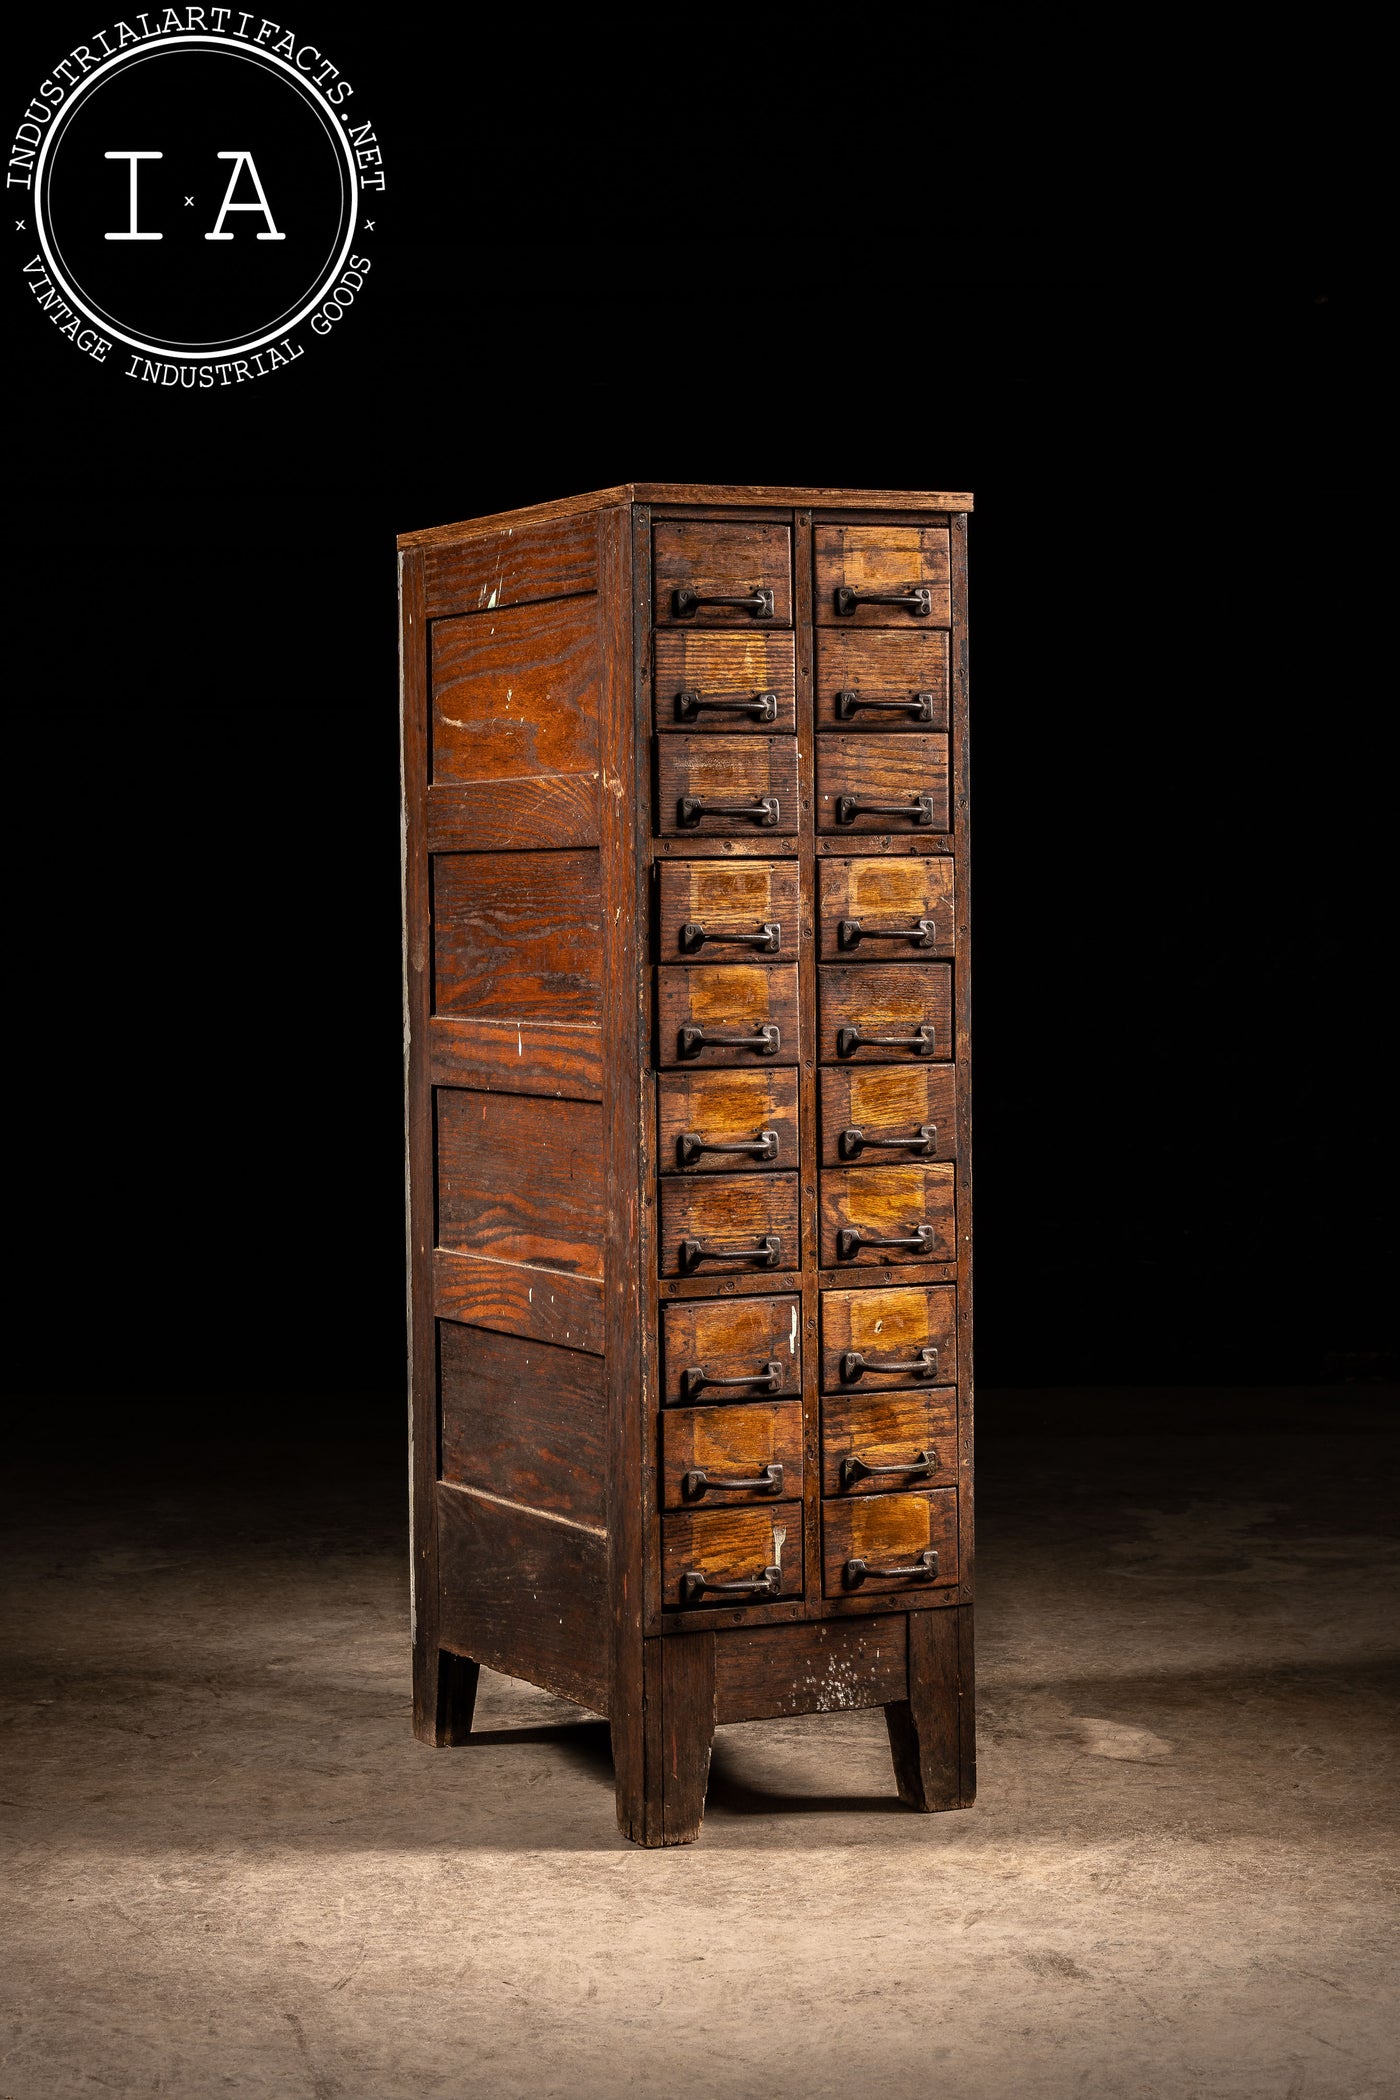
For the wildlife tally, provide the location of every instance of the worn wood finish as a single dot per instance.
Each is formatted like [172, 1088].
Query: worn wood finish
[515, 694]
[729, 1217]
[882, 664]
[703, 1447]
[689, 496]
[518, 936]
[885, 999]
[696, 1109]
[486, 570]
[514, 1298]
[882, 558]
[525, 1594]
[914, 1106]
[886, 1203]
[730, 1338]
[927, 1728]
[738, 668]
[765, 1673]
[906, 776]
[730, 1000]
[913, 1432]
[513, 816]
[726, 777]
[457, 1678]
[731, 1545]
[870, 908]
[889, 1532]
[521, 1181]
[722, 559]
[687, 1726]
[524, 1420]
[721, 899]
[518, 1057]
[895, 1325]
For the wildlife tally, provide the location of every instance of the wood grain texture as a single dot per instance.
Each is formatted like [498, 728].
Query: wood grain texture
[887, 1101]
[734, 1442]
[731, 1338]
[523, 1420]
[731, 1545]
[719, 666]
[725, 898]
[730, 999]
[511, 816]
[729, 1214]
[890, 1531]
[881, 558]
[513, 1298]
[721, 558]
[726, 1107]
[689, 495]
[889, 1429]
[485, 570]
[884, 999]
[765, 1673]
[726, 769]
[925, 1728]
[882, 664]
[687, 1731]
[890, 1202]
[521, 1180]
[518, 1057]
[518, 936]
[864, 904]
[896, 1324]
[525, 1594]
[457, 1679]
[515, 694]
[898, 771]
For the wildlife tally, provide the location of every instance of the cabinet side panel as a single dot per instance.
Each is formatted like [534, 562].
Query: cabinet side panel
[517, 565]
[525, 1593]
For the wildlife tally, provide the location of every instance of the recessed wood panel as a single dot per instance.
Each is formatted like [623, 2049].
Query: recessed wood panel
[888, 1327]
[884, 674]
[873, 1443]
[889, 559]
[898, 908]
[521, 1180]
[714, 682]
[875, 1013]
[726, 786]
[524, 1593]
[730, 1339]
[708, 1015]
[518, 936]
[723, 1457]
[699, 1110]
[883, 1216]
[731, 1545]
[895, 785]
[717, 911]
[765, 1672]
[716, 559]
[722, 1224]
[522, 1419]
[889, 1532]
[515, 694]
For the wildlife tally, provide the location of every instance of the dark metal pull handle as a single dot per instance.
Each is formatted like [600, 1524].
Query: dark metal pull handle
[758, 602]
[695, 1380]
[854, 1469]
[851, 932]
[925, 1569]
[699, 1482]
[851, 1239]
[853, 1141]
[764, 809]
[692, 1039]
[849, 1040]
[690, 1144]
[762, 706]
[848, 808]
[767, 1252]
[694, 1586]
[915, 598]
[854, 1365]
[769, 938]
[849, 699]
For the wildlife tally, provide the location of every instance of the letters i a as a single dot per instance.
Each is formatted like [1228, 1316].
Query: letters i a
[240, 161]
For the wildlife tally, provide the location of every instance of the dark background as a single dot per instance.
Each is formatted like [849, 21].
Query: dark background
[1142, 337]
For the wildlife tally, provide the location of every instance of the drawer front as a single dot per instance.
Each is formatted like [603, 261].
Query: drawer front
[728, 911]
[884, 1013]
[867, 1534]
[727, 786]
[882, 576]
[730, 1349]
[879, 1216]
[723, 1457]
[885, 1114]
[731, 1546]
[729, 1225]
[700, 1114]
[886, 910]
[706, 681]
[885, 784]
[727, 1016]
[876, 1443]
[888, 1327]
[891, 678]
[747, 565]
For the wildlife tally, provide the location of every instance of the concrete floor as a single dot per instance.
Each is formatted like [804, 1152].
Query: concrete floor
[230, 1870]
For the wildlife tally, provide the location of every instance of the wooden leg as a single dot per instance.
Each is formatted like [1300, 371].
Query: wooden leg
[449, 1699]
[930, 1731]
[679, 1676]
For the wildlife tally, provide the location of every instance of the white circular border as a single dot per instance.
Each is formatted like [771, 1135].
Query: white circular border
[178, 43]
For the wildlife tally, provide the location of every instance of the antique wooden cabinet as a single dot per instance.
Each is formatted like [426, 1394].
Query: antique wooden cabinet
[686, 910]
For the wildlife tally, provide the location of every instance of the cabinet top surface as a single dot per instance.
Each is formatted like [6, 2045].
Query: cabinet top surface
[698, 494]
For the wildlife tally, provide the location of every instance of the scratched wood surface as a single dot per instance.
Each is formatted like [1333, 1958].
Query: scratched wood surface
[731, 1338]
[884, 999]
[733, 667]
[882, 664]
[738, 1000]
[730, 1215]
[518, 936]
[724, 898]
[884, 1204]
[731, 1545]
[893, 1325]
[890, 1532]
[521, 1180]
[882, 784]
[721, 559]
[869, 908]
[899, 1103]
[907, 1440]
[740, 773]
[882, 558]
[725, 1108]
[515, 693]
[705, 1449]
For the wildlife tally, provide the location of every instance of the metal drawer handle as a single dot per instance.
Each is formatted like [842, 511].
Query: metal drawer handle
[915, 598]
[851, 1239]
[691, 1143]
[849, 1040]
[853, 1141]
[694, 1586]
[692, 1039]
[851, 932]
[695, 1380]
[849, 807]
[764, 809]
[854, 1469]
[767, 1252]
[854, 1365]
[694, 1485]
[925, 1569]
[768, 939]
[848, 699]
[758, 602]
[762, 706]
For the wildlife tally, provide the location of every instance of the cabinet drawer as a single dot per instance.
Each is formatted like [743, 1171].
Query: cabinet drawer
[882, 576]
[699, 1110]
[728, 911]
[886, 784]
[883, 1114]
[883, 1215]
[730, 1349]
[730, 1224]
[731, 1546]
[717, 1457]
[869, 1533]
[886, 910]
[888, 1327]
[885, 1013]
[746, 566]
[726, 786]
[734, 1015]
[875, 1443]
[890, 678]
[707, 681]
